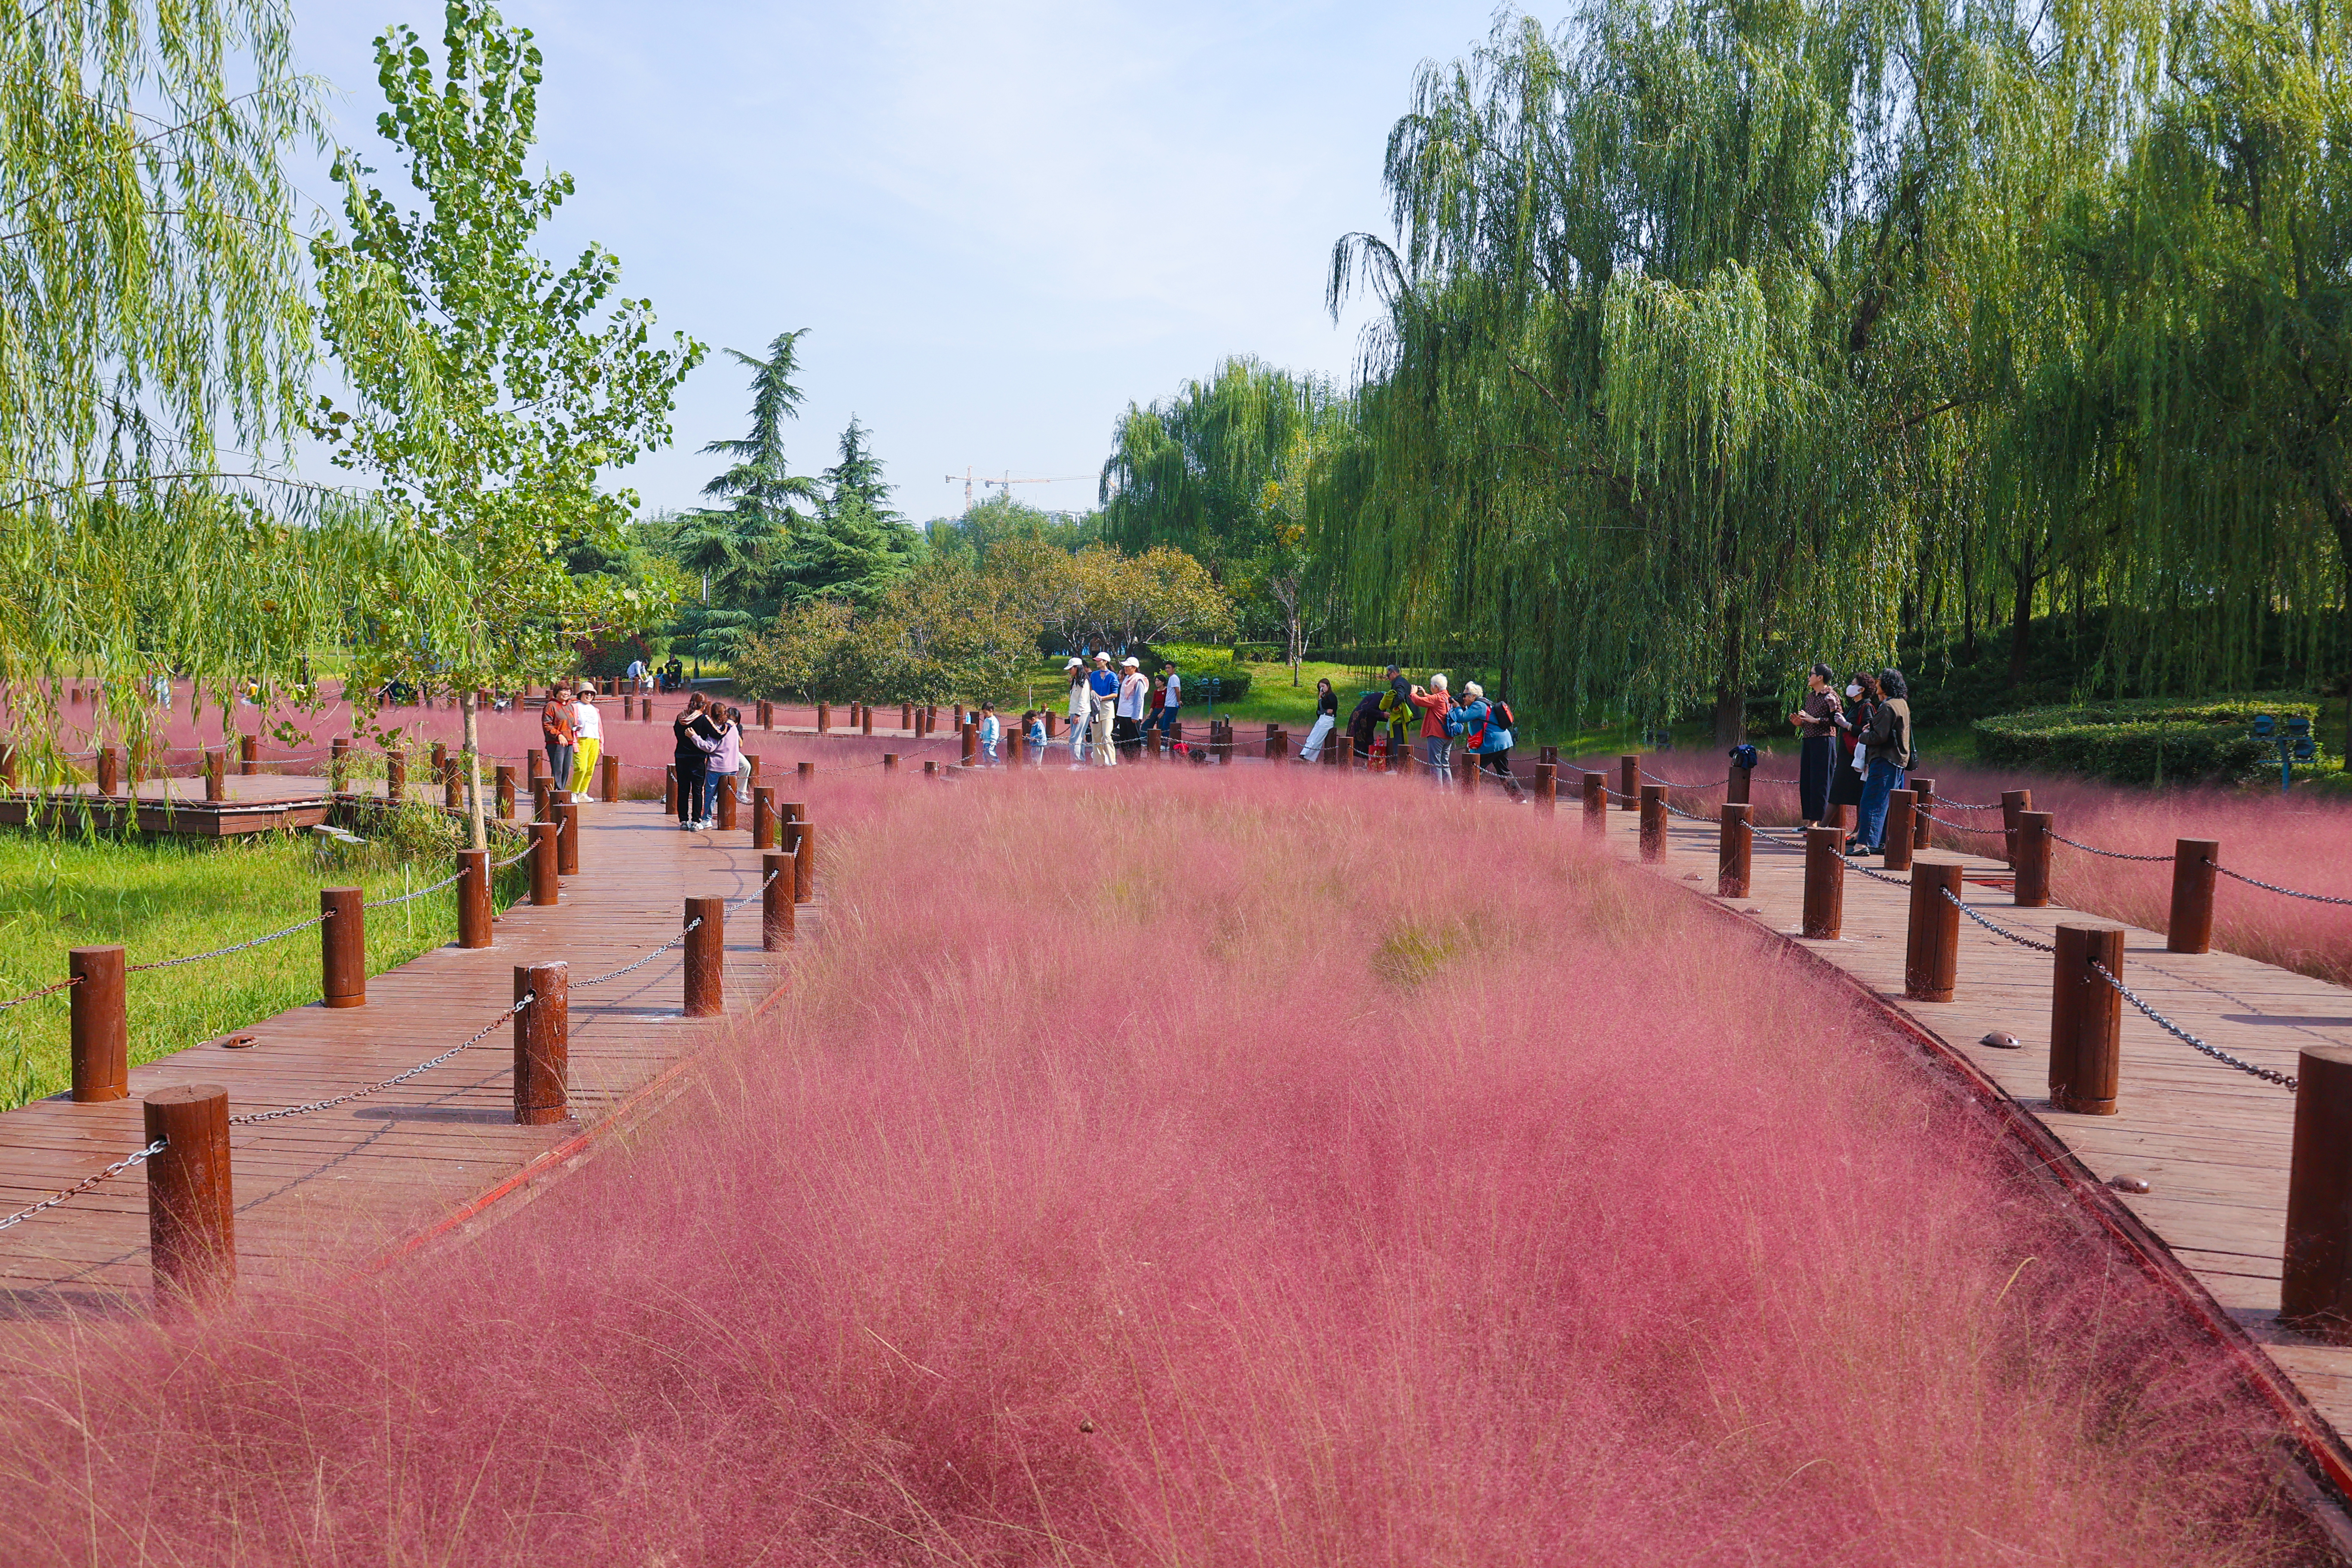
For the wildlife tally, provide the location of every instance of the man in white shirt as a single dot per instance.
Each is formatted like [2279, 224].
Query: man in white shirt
[1134, 692]
[1172, 700]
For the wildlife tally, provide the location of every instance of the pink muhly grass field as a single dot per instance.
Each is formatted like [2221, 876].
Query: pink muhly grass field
[1166, 1167]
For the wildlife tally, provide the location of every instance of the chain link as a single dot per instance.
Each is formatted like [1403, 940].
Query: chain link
[44, 991]
[1671, 784]
[2095, 850]
[318, 918]
[2274, 888]
[248, 1119]
[690, 926]
[385, 903]
[1964, 827]
[149, 1152]
[2178, 1033]
[2000, 930]
[749, 897]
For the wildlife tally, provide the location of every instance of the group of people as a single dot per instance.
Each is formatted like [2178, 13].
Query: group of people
[1111, 709]
[1856, 751]
[1401, 709]
[707, 755]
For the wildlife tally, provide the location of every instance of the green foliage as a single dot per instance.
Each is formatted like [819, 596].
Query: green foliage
[1232, 680]
[2148, 740]
[1001, 520]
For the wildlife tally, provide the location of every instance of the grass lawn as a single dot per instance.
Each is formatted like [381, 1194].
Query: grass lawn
[162, 897]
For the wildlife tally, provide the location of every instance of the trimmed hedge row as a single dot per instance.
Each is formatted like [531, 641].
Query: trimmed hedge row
[2146, 740]
[1233, 684]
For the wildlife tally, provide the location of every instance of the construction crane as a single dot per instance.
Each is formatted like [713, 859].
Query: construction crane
[1007, 482]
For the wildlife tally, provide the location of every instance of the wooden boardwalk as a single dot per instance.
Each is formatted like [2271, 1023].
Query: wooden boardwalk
[330, 1189]
[2211, 1142]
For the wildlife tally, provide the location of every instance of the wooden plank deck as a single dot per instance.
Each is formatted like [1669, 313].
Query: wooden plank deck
[2211, 1142]
[327, 1190]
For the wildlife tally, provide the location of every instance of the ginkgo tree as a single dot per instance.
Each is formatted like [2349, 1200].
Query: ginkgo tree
[487, 389]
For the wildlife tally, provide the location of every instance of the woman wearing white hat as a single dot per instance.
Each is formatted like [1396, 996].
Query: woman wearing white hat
[1134, 694]
[1081, 704]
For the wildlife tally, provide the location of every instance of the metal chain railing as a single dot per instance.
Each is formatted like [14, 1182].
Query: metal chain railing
[1999, 931]
[386, 903]
[253, 1117]
[690, 926]
[2284, 1080]
[2274, 888]
[1671, 784]
[318, 918]
[44, 991]
[1964, 827]
[2095, 850]
[747, 898]
[149, 1152]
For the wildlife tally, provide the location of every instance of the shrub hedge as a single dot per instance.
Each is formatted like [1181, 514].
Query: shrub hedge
[1233, 684]
[2145, 740]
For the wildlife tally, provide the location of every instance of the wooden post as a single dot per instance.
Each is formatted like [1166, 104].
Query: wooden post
[542, 1043]
[342, 947]
[109, 770]
[706, 957]
[610, 767]
[2012, 800]
[805, 772]
[544, 885]
[1466, 777]
[1547, 787]
[567, 841]
[889, 762]
[505, 786]
[628, 706]
[1931, 952]
[536, 760]
[971, 728]
[396, 775]
[669, 789]
[473, 898]
[931, 767]
[191, 1203]
[1901, 809]
[99, 1024]
[1629, 782]
[543, 799]
[775, 900]
[764, 816]
[215, 776]
[1923, 792]
[1825, 883]
[248, 754]
[1654, 822]
[1345, 749]
[727, 805]
[2316, 1289]
[958, 715]
[1734, 843]
[440, 760]
[2191, 929]
[1737, 784]
[864, 720]
[824, 717]
[2033, 860]
[1596, 804]
[453, 785]
[907, 718]
[337, 749]
[1273, 740]
[2085, 1020]
[803, 863]
[1053, 724]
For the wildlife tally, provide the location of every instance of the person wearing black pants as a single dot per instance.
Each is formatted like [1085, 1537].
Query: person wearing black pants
[1815, 721]
[697, 738]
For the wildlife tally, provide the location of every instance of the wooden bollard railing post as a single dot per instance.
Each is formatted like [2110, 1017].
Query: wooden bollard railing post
[1272, 734]
[2033, 860]
[2316, 1284]
[440, 760]
[764, 816]
[1596, 803]
[191, 1202]
[215, 776]
[1547, 788]
[473, 898]
[1465, 773]
[337, 749]
[2191, 929]
[101, 1024]
[1654, 822]
[931, 767]
[542, 1043]
[1923, 794]
[805, 772]
[1902, 808]
[958, 715]
[889, 762]
[567, 841]
[864, 720]
[775, 900]
[1825, 883]
[803, 863]
[1053, 724]
[504, 784]
[706, 957]
[1931, 952]
[2085, 1020]
[248, 754]
[669, 789]
[342, 947]
[907, 716]
[396, 775]
[727, 805]
[2012, 802]
[1629, 782]
[1733, 845]
[824, 717]
[109, 770]
[610, 784]
[535, 762]
[452, 784]
[971, 728]
[543, 799]
[544, 884]
[1736, 784]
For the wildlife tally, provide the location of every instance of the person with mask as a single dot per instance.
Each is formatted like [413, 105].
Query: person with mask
[1847, 761]
[1887, 743]
[1814, 720]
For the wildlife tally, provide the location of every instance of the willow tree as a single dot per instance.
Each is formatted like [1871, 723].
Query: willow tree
[487, 388]
[153, 346]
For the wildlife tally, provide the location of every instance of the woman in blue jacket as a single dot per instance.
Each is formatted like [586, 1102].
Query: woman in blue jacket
[1482, 734]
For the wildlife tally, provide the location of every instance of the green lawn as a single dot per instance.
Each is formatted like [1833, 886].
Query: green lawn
[163, 898]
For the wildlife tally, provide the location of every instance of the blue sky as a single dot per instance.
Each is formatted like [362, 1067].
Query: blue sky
[1002, 221]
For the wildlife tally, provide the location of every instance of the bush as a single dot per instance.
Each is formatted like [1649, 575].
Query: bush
[2146, 740]
[1233, 683]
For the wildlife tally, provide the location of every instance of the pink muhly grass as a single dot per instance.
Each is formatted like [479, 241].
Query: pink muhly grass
[1162, 1167]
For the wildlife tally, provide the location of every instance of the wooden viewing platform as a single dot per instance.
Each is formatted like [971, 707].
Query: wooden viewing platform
[330, 1189]
[2210, 1142]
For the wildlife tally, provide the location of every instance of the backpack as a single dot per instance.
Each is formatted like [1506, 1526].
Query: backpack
[1499, 715]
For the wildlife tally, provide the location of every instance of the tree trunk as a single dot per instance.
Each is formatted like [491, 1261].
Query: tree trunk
[1730, 689]
[480, 835]
[2020, 628]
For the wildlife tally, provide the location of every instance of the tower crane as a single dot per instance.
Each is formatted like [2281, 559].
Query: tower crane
[1007, 482]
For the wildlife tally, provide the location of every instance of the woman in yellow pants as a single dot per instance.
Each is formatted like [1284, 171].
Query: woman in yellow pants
[588, 740]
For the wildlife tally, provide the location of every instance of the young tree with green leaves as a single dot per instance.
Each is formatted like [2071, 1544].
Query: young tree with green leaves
[488, 389]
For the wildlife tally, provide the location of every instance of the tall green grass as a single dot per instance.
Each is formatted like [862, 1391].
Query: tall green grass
[163, 897]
